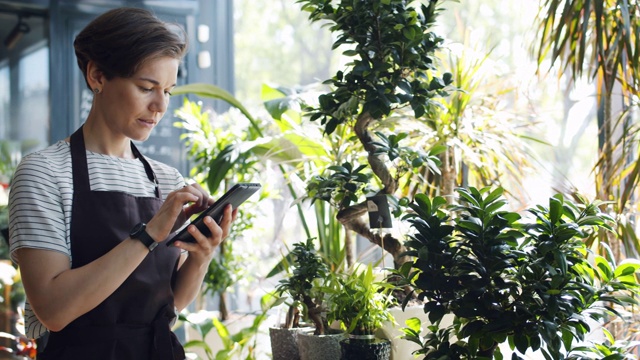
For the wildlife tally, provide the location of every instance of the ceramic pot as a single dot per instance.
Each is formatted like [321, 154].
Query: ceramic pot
[320, 347]
[365, 348]
[284, 342]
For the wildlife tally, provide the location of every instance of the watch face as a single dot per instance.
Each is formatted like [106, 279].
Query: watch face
[136, 229]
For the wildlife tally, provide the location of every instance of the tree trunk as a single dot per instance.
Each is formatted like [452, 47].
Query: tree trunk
[352, 217]
[449, 175]
[224, 310]
[349, 248]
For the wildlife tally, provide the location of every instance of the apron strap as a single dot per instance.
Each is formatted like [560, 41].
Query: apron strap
[147, 168]
[80, 171]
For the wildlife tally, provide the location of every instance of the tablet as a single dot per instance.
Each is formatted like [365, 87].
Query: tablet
[235, 196]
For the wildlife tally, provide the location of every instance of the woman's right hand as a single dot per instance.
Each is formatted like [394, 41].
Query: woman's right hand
[179, 206]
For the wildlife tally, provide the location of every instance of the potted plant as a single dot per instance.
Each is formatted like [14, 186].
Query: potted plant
[506, 279]
[306, 301]
[361, 303]
[392, 72]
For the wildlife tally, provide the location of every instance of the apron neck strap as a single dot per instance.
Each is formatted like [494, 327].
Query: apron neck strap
[81, 171]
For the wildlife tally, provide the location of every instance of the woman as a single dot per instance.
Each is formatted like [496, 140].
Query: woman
[87, 213]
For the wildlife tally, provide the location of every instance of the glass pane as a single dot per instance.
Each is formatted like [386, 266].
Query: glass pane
[5, 98]
[284, 50]
[24, 86]
[30, 108]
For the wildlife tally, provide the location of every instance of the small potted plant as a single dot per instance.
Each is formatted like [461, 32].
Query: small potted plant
[305, 299]
[361, 303]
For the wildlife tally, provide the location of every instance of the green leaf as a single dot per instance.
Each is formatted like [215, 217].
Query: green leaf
[438, 149]
[494, 195]
[627, 267]
[214, 92]
[561, 260]
[268, 93]
[409, 32]
[223, 332]
[606, 271]
[339, 169]
[555, 209]
[219, 167]
[472, 224]
[472, 328]
[414, 324]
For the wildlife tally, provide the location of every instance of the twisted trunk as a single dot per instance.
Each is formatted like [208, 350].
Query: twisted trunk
[352, 217]
[293, 318]
[315, 315]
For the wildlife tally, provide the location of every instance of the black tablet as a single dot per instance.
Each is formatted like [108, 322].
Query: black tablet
[235, 196]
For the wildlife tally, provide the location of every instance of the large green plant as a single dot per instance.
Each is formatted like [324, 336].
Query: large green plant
[307, 153]
[500, 278]
[282, 140]
[220, 159]
[599, 40]
[486, 141]
[392, 46]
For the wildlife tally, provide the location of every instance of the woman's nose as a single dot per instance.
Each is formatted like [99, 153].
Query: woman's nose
[159, 103]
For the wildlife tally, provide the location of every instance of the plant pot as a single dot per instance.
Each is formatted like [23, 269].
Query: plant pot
[284, 342]
[320, 347]
[356, 348]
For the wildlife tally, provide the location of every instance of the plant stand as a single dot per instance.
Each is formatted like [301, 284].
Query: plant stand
[365, 349]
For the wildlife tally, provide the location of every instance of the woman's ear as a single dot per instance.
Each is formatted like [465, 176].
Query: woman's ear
[95, 77]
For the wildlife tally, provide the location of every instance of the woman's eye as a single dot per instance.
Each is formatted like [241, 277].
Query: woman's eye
[167, 93]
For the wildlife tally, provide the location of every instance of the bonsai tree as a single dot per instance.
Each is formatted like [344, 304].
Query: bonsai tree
[392, 47]
[301, 287]
[529, 282]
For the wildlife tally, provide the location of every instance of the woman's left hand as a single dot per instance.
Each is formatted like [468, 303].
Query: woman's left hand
[193, 267]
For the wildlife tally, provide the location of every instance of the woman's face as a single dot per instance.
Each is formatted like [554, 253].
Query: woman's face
[134, 106]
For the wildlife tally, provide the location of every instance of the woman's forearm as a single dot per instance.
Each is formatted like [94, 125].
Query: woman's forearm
[60, 294]
[189, 282]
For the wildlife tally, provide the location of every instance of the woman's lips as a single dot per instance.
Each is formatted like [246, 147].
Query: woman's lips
[148, 122]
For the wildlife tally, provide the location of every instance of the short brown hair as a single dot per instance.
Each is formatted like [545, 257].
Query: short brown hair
[121, 40]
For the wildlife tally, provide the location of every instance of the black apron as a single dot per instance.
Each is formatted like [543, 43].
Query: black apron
[134, 321]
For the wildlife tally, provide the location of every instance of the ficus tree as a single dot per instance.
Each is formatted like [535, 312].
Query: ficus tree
[391, 45]
[500, 277]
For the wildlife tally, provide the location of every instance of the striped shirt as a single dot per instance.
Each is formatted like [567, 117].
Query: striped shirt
[42, 193]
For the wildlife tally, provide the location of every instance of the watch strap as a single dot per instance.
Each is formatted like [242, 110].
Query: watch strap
[141, 234]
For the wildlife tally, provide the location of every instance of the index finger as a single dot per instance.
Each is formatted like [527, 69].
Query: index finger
[203, 197]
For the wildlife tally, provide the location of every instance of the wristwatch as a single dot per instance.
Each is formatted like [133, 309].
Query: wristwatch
[139, 232]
